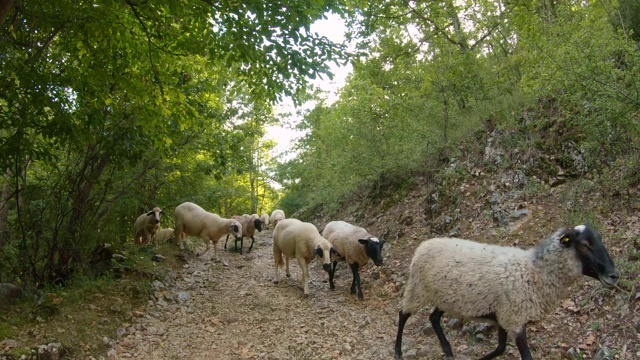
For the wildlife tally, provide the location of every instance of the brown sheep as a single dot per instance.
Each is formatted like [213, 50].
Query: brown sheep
[249, 226]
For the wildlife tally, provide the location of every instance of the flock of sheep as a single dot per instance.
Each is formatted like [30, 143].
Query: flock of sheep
[506, 286]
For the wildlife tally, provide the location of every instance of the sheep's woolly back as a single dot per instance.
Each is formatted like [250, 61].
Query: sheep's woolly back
[164, 235]
[471, 280]
[195, 221]
[265, 219]
[276, 216]
[296, 238]
[344, 238]
[248, 225]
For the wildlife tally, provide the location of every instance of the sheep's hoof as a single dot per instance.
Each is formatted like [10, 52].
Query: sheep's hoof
[305, 296]
[276, 281]
[288, 275]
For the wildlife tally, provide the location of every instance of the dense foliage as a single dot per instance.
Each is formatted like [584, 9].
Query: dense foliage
[108, 108]
[429, 73]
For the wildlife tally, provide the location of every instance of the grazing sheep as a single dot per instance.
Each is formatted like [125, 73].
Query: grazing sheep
[356, 246]
[164, 235]
[249, 227]
[193, 220]
[146, 226]
[507, 286]
[265, 219]
[276, 216]
[301, 240]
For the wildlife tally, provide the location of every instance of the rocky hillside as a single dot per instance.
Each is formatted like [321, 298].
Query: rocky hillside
[517, 196]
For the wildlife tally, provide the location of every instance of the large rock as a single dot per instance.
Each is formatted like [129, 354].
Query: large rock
[9, 293]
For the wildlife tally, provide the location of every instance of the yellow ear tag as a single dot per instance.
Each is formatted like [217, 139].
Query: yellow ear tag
[565, 239]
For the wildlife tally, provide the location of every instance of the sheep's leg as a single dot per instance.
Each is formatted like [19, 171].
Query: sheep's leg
[402, 320]
[356, 281]
[332, 274]
[225, 242]
[241, 244]
[502, 345]
[286, 260]
[215, 250]
[305, 275]
[435, 322]
[235, 246]
[251, 247]
[277, 259]
[521, 343]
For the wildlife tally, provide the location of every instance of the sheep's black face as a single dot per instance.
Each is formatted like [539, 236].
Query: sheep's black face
[595, 259]
[258, 224]
[326, 261]
[373, 248]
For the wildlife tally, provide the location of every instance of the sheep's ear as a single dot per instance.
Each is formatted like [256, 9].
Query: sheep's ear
[568, 237]
[161, 212]
[150, 213]
[334, 252]
[363, 241]
[318, 251]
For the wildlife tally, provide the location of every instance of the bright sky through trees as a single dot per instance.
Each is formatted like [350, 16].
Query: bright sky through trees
[333, 28]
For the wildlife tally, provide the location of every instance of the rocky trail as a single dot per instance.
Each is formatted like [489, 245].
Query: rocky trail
[232, 310]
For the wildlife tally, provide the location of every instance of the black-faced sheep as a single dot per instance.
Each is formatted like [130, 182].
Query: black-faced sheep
[302, 241]
[164, 235]
[507, 286]
[193, 220]
[146, 226]
[276, 216]
[249, 226]
[357, 248]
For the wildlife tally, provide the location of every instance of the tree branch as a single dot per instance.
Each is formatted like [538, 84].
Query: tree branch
[149, 43]
[46, 44]
[5, 6]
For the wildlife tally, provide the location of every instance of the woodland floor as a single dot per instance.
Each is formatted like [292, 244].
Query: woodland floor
[235, 311]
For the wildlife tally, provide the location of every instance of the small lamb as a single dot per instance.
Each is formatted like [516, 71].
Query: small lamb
[164, 235]
[507, 286]
[357, 247]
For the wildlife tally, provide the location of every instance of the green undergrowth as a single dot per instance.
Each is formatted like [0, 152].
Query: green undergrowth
[87, 309]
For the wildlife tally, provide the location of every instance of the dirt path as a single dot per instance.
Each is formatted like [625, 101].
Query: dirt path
[235, 311]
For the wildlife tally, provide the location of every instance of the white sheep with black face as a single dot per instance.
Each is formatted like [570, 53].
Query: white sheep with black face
[302, 241]
[507, 286]
[357, 247]
[250, 224]
[146, 226]
[193, 220]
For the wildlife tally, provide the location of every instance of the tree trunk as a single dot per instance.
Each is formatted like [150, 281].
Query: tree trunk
[5, 7]
[4, 208]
